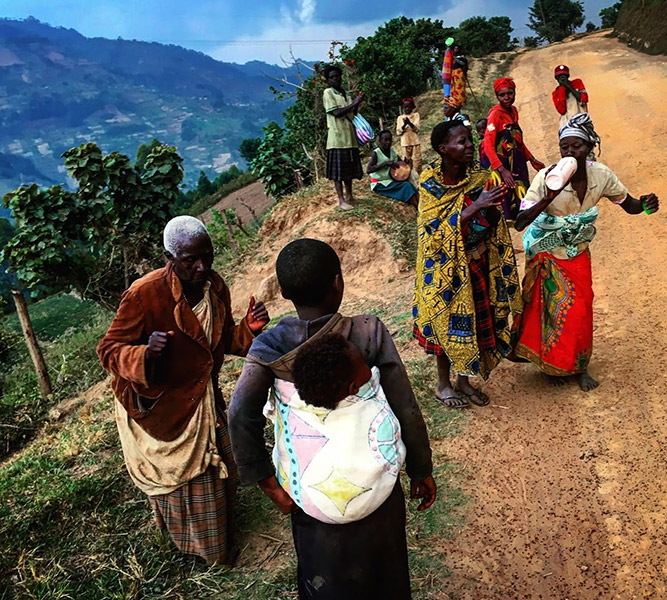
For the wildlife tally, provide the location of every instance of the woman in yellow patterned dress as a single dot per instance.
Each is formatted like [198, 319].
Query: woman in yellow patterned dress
[466, 279]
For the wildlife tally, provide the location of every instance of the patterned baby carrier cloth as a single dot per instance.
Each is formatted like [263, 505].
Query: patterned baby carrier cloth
[338, 465]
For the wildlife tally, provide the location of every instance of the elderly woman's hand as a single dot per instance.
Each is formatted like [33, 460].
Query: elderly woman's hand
[257, 316]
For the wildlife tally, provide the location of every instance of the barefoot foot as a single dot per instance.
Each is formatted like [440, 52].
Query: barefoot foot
[345, 206]
[587, 383]
[554, 380]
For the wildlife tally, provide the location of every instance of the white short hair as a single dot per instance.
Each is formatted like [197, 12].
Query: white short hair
[180, 229]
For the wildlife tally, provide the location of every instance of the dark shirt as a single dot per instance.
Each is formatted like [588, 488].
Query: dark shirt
[276, 346]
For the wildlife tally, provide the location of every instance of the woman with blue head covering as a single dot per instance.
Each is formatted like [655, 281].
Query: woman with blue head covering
[555, 331]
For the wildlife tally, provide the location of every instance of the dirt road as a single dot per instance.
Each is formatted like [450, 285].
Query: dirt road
[569, 490]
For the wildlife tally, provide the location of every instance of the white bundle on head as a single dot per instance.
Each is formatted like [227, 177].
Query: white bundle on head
[180, 228]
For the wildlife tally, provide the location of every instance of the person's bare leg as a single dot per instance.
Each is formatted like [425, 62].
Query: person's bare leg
[414, 201]
[476, 396]
[341, 198]
[348, 191]
[586, 382]
[444, 391]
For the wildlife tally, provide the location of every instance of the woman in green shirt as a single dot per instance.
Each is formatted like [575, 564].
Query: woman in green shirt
[382, 160]
[343, 161]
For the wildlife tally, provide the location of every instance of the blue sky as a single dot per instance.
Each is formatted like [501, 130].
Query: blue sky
[237, 31]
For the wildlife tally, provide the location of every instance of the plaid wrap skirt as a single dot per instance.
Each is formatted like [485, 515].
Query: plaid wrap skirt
[199, 515]
[343, 164]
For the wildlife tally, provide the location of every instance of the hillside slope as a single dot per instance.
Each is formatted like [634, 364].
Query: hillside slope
[59, 89]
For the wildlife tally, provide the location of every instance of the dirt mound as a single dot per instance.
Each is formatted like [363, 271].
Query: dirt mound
[372, 274]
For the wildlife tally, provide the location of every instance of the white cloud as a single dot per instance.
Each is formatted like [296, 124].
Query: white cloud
[307, 11]
[308, 41]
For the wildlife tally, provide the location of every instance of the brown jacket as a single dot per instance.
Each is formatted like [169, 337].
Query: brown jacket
[163, 401]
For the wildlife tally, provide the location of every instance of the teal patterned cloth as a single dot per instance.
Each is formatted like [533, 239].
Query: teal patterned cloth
[548, 232]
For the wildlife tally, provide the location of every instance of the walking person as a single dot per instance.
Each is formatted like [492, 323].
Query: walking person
[555, 331]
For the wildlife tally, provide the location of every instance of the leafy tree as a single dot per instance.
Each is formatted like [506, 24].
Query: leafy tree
[480, 36]
[248, 149]
[6, 279]
[553, 20]
[143, 151]
[94, 240]
[531, 41]
[609, 15]
[204, 185]
[590, 27]
[396, 61]
[275, 161]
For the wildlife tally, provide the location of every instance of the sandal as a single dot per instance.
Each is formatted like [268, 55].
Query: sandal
[452, 402]
[481, 398]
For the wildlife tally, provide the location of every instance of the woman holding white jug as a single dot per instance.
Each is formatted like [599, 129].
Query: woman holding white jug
[555, 331]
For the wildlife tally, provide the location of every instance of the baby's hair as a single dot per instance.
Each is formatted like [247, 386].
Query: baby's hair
[306, 269]
[322, 370]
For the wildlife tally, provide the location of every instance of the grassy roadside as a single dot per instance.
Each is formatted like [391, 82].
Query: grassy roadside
[73, 526]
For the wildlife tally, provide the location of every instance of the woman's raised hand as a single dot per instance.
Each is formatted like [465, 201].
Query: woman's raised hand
[507, 177]
[492, 197]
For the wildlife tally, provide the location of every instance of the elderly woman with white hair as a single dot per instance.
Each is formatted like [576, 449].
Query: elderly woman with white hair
[164, 350]
[555, 331]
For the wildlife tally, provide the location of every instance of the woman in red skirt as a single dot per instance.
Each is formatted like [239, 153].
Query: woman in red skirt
[555, 330]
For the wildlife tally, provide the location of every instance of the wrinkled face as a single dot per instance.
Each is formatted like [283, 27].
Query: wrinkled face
[335, 79]
[193, 261]
[408, 107]
[385, 141]
[574, 147]
[505, 97]
[458, 147]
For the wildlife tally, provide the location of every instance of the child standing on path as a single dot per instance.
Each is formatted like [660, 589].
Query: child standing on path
[366, 558]
[407, 129]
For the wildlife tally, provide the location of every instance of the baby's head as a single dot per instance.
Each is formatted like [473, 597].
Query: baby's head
[480, 126]
[328, 369]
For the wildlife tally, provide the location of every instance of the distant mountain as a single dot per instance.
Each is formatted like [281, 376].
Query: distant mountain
[59, 89]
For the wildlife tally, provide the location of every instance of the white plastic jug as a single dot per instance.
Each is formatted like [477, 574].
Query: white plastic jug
[559, 176]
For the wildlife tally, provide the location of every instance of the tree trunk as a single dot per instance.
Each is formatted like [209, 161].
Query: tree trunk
[33, 346]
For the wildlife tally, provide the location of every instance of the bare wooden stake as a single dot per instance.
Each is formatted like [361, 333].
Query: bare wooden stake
[230, 232]
[299, 178]
[239, 224]
[33, 346]
[250, 209]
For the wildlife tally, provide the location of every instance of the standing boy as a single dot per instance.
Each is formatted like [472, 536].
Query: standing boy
[570, 96]
[407, 129]
[365, 558]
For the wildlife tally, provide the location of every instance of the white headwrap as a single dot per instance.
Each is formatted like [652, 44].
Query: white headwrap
[581, 126]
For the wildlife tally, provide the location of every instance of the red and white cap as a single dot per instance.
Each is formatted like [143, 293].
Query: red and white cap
[561, 70]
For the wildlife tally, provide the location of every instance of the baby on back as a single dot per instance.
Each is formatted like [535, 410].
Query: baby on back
[338, 449]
